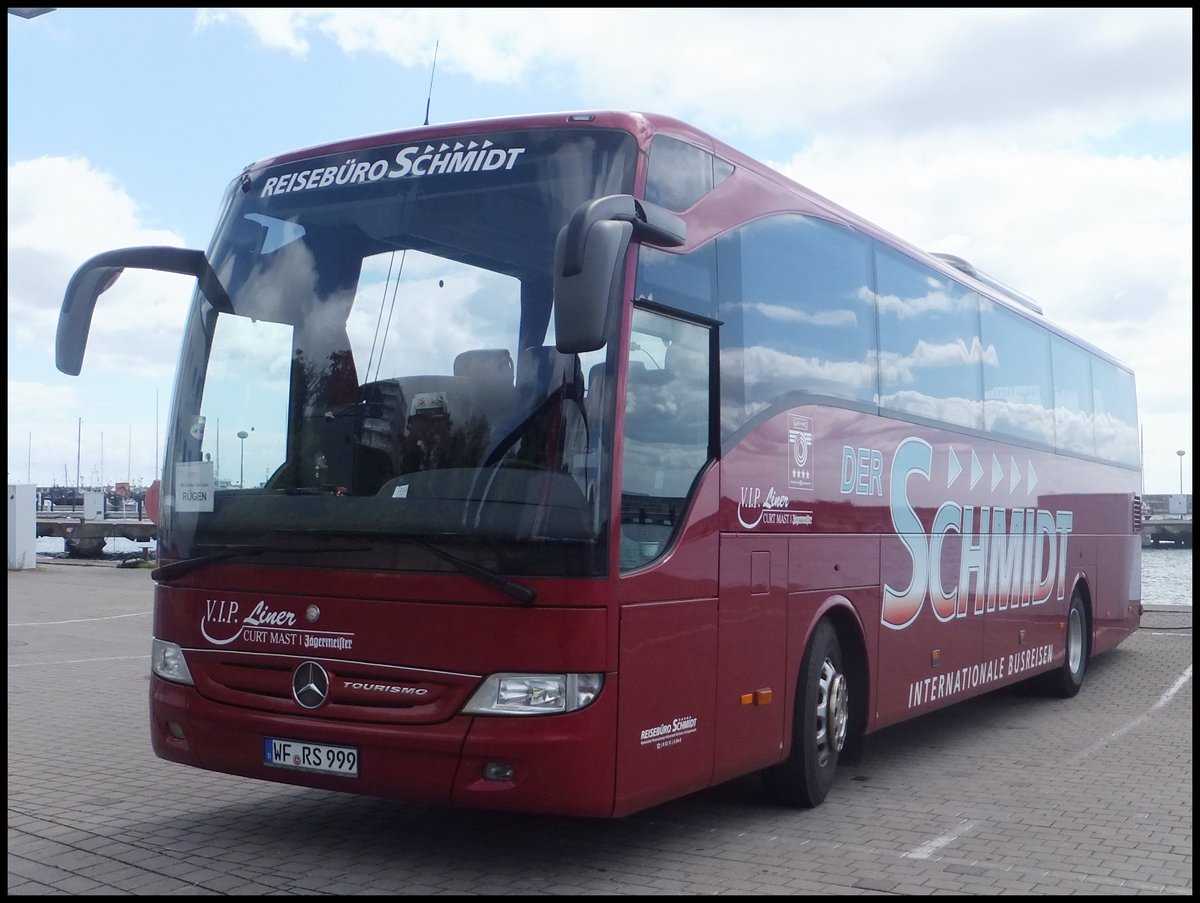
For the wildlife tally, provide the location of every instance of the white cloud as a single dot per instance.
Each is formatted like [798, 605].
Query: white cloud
[1037, 74]
[61, 211]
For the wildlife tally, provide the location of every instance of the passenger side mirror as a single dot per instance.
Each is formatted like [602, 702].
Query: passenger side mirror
[96, 276]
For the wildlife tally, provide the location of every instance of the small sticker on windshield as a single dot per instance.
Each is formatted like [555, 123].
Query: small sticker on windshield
[400, 492]
[194, 486]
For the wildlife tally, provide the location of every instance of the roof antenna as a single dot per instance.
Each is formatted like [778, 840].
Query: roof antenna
[432, 70]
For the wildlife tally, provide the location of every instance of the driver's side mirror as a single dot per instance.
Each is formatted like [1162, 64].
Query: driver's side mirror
[589, 257]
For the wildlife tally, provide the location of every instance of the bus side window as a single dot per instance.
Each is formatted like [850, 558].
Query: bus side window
[930, 350]
[666, 431]
[797, 308]
[1074, 398]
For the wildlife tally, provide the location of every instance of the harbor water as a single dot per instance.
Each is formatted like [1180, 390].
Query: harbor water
[1166, 570]
[1166, 576]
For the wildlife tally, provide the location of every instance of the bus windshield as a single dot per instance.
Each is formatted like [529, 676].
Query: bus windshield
[387, 371]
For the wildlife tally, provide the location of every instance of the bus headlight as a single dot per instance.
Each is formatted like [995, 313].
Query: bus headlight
[166, 661]
[534, 694]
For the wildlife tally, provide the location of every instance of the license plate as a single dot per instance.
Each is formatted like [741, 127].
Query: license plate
[302, 756]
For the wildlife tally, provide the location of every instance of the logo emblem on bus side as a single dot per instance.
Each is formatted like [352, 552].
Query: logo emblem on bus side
[310, 685]
[800, 440]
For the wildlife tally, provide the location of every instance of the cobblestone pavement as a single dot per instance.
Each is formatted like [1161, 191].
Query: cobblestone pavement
[1003, 794]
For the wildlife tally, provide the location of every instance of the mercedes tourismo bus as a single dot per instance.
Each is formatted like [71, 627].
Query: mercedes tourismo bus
[583, 462]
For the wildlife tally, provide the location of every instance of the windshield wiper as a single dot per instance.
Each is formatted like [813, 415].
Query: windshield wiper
[179, 568]
[521, 593]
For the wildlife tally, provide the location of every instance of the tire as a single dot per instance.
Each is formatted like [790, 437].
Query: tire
[819, 725]
[1065, 682]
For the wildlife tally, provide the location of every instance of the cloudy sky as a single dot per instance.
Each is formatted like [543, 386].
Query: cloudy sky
[1052, 148]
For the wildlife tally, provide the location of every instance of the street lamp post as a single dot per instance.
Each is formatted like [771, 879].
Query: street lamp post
[1181, 453]
[242, 435]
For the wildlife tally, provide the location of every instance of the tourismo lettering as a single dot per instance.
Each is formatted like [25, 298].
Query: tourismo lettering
[1017, 556]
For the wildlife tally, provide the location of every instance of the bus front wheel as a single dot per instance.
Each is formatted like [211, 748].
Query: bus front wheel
[819, 726]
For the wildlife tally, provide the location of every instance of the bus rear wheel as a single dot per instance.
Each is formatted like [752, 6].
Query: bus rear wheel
[1065, 681]
[819, 726]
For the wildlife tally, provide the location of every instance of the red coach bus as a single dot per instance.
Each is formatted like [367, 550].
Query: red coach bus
[583, 462]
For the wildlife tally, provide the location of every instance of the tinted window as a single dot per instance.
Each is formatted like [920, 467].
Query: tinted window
[682, 281]
[680, 174]
[1018, 395]
[929, 346]
[797, 315]
[666, 430]
[1073, 426]
[1115, 403]
[389, 354]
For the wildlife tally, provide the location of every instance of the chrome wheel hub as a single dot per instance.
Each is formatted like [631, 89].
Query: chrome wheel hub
[1074, 640]
[833, 712]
